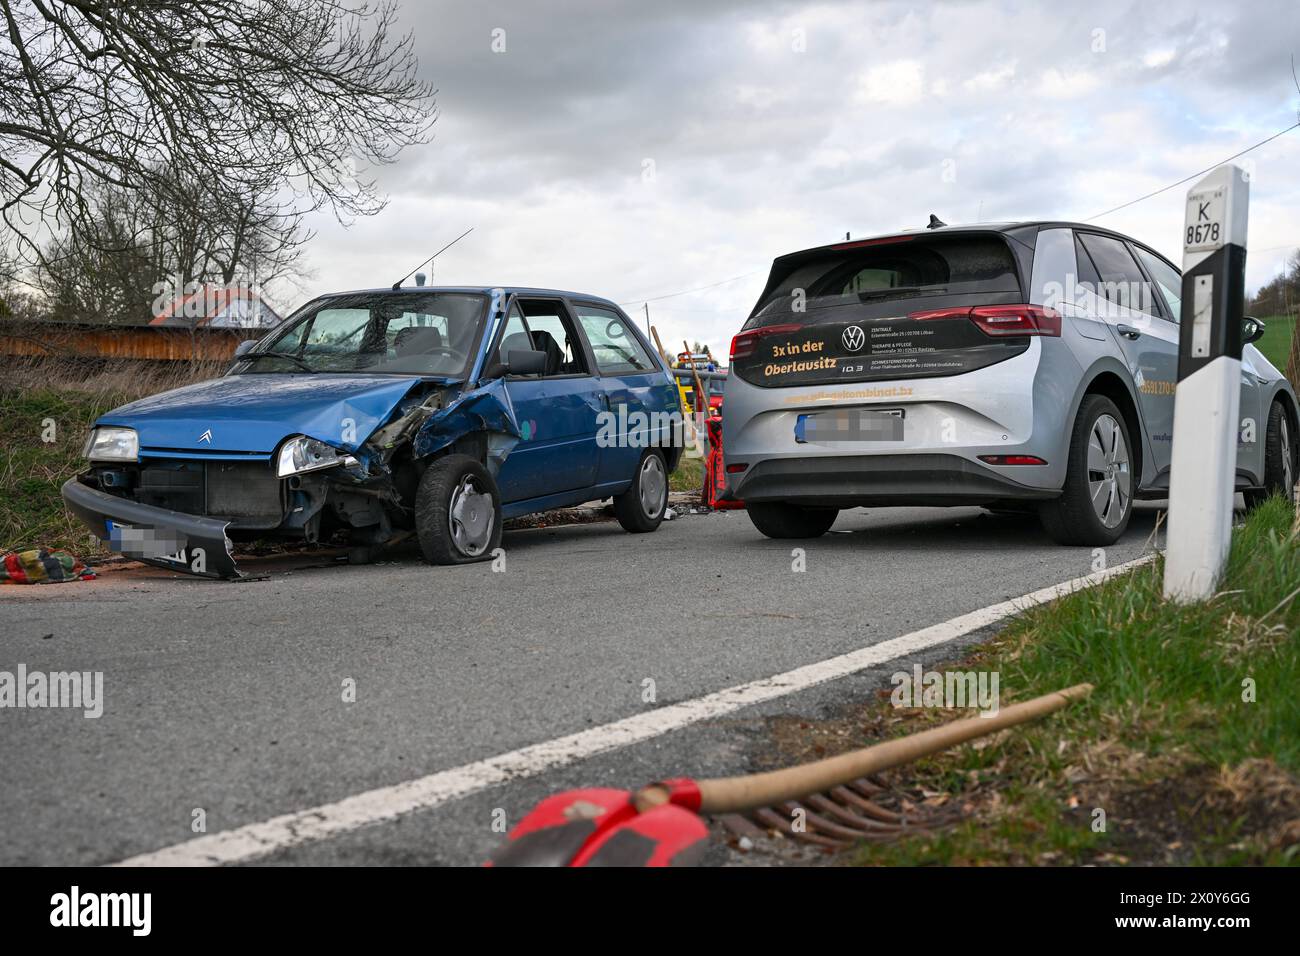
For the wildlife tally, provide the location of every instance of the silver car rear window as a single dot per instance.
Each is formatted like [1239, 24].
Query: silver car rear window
[878, 280]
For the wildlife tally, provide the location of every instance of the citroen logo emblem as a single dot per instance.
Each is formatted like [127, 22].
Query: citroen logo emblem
[853, 338]
[206, 436]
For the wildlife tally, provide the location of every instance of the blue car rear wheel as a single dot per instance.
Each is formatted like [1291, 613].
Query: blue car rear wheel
[641, 508]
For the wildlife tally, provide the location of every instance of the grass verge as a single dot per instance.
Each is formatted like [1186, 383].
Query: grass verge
[1189, 746]
[689, 475]
[46, 408]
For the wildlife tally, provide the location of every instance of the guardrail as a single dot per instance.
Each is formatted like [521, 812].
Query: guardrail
[687, 375]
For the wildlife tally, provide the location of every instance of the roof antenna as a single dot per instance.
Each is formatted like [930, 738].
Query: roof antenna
[398, 284]
[935, 222]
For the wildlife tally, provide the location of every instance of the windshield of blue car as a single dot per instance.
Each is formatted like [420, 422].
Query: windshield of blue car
[398, 333]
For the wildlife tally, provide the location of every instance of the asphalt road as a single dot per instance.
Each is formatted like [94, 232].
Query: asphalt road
[229, 696]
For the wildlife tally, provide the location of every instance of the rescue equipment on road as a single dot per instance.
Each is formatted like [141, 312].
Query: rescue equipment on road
[661, 825]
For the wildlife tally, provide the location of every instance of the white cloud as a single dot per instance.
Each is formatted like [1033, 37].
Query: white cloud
[991, 80]
[760, 97]
[900, 83]
[1155, 59]
[1056, 84]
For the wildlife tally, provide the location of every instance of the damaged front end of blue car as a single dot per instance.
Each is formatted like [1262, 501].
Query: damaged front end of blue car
[316, 443]
[167, 486]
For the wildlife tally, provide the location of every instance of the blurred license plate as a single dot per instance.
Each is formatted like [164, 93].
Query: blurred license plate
[850, 425]
[159, 544]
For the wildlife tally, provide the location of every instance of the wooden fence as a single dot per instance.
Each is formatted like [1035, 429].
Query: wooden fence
[140, 342]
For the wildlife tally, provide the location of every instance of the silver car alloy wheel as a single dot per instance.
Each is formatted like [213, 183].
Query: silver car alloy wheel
[470, 517]
[653, 486]
[1110, 483]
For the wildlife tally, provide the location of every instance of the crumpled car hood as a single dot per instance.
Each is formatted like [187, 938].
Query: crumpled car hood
[254, 413]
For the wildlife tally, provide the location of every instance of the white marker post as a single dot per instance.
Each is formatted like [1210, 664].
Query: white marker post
[1208, 398]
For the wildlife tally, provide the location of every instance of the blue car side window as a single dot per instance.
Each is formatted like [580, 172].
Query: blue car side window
[616, 349]
[550, 334]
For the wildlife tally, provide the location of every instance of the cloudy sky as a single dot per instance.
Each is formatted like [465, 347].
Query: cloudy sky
[635, 149]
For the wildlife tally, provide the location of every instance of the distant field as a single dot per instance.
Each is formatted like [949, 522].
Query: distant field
[1276, 343]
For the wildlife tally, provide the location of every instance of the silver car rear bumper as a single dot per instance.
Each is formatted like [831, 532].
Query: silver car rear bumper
[849, 481]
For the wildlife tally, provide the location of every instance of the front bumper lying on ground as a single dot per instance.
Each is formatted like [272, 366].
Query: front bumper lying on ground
[157, 536]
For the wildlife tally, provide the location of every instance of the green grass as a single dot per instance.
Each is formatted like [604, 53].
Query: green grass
[689, 475]
[1164, 729]
[71, 394]
[1276, 341]
[1173, 668]
[32, 469]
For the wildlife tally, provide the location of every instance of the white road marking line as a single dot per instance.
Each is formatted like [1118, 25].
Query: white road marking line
[388, 803]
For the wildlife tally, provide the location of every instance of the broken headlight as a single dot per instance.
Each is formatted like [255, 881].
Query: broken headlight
[112, 444]
[301, 454]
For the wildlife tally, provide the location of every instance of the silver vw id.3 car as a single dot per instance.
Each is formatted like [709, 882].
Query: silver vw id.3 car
[1021, 367]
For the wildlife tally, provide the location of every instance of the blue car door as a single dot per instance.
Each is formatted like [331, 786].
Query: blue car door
[639, 393]
[556, 410]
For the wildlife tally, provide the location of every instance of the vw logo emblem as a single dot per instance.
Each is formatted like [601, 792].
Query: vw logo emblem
[853, 338]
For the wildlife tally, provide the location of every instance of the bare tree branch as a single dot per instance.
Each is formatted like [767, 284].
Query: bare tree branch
[260, 111]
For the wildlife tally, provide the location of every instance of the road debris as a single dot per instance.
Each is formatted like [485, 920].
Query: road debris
[39, 566]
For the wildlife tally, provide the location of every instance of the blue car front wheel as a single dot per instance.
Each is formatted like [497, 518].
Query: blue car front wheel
[457, 511]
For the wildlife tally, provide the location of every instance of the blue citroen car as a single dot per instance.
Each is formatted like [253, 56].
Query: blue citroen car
[366, 415]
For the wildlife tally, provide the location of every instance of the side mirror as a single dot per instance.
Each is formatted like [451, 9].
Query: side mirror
[525, 362]
[519, 362]
[244, 346]
[1252, 330]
